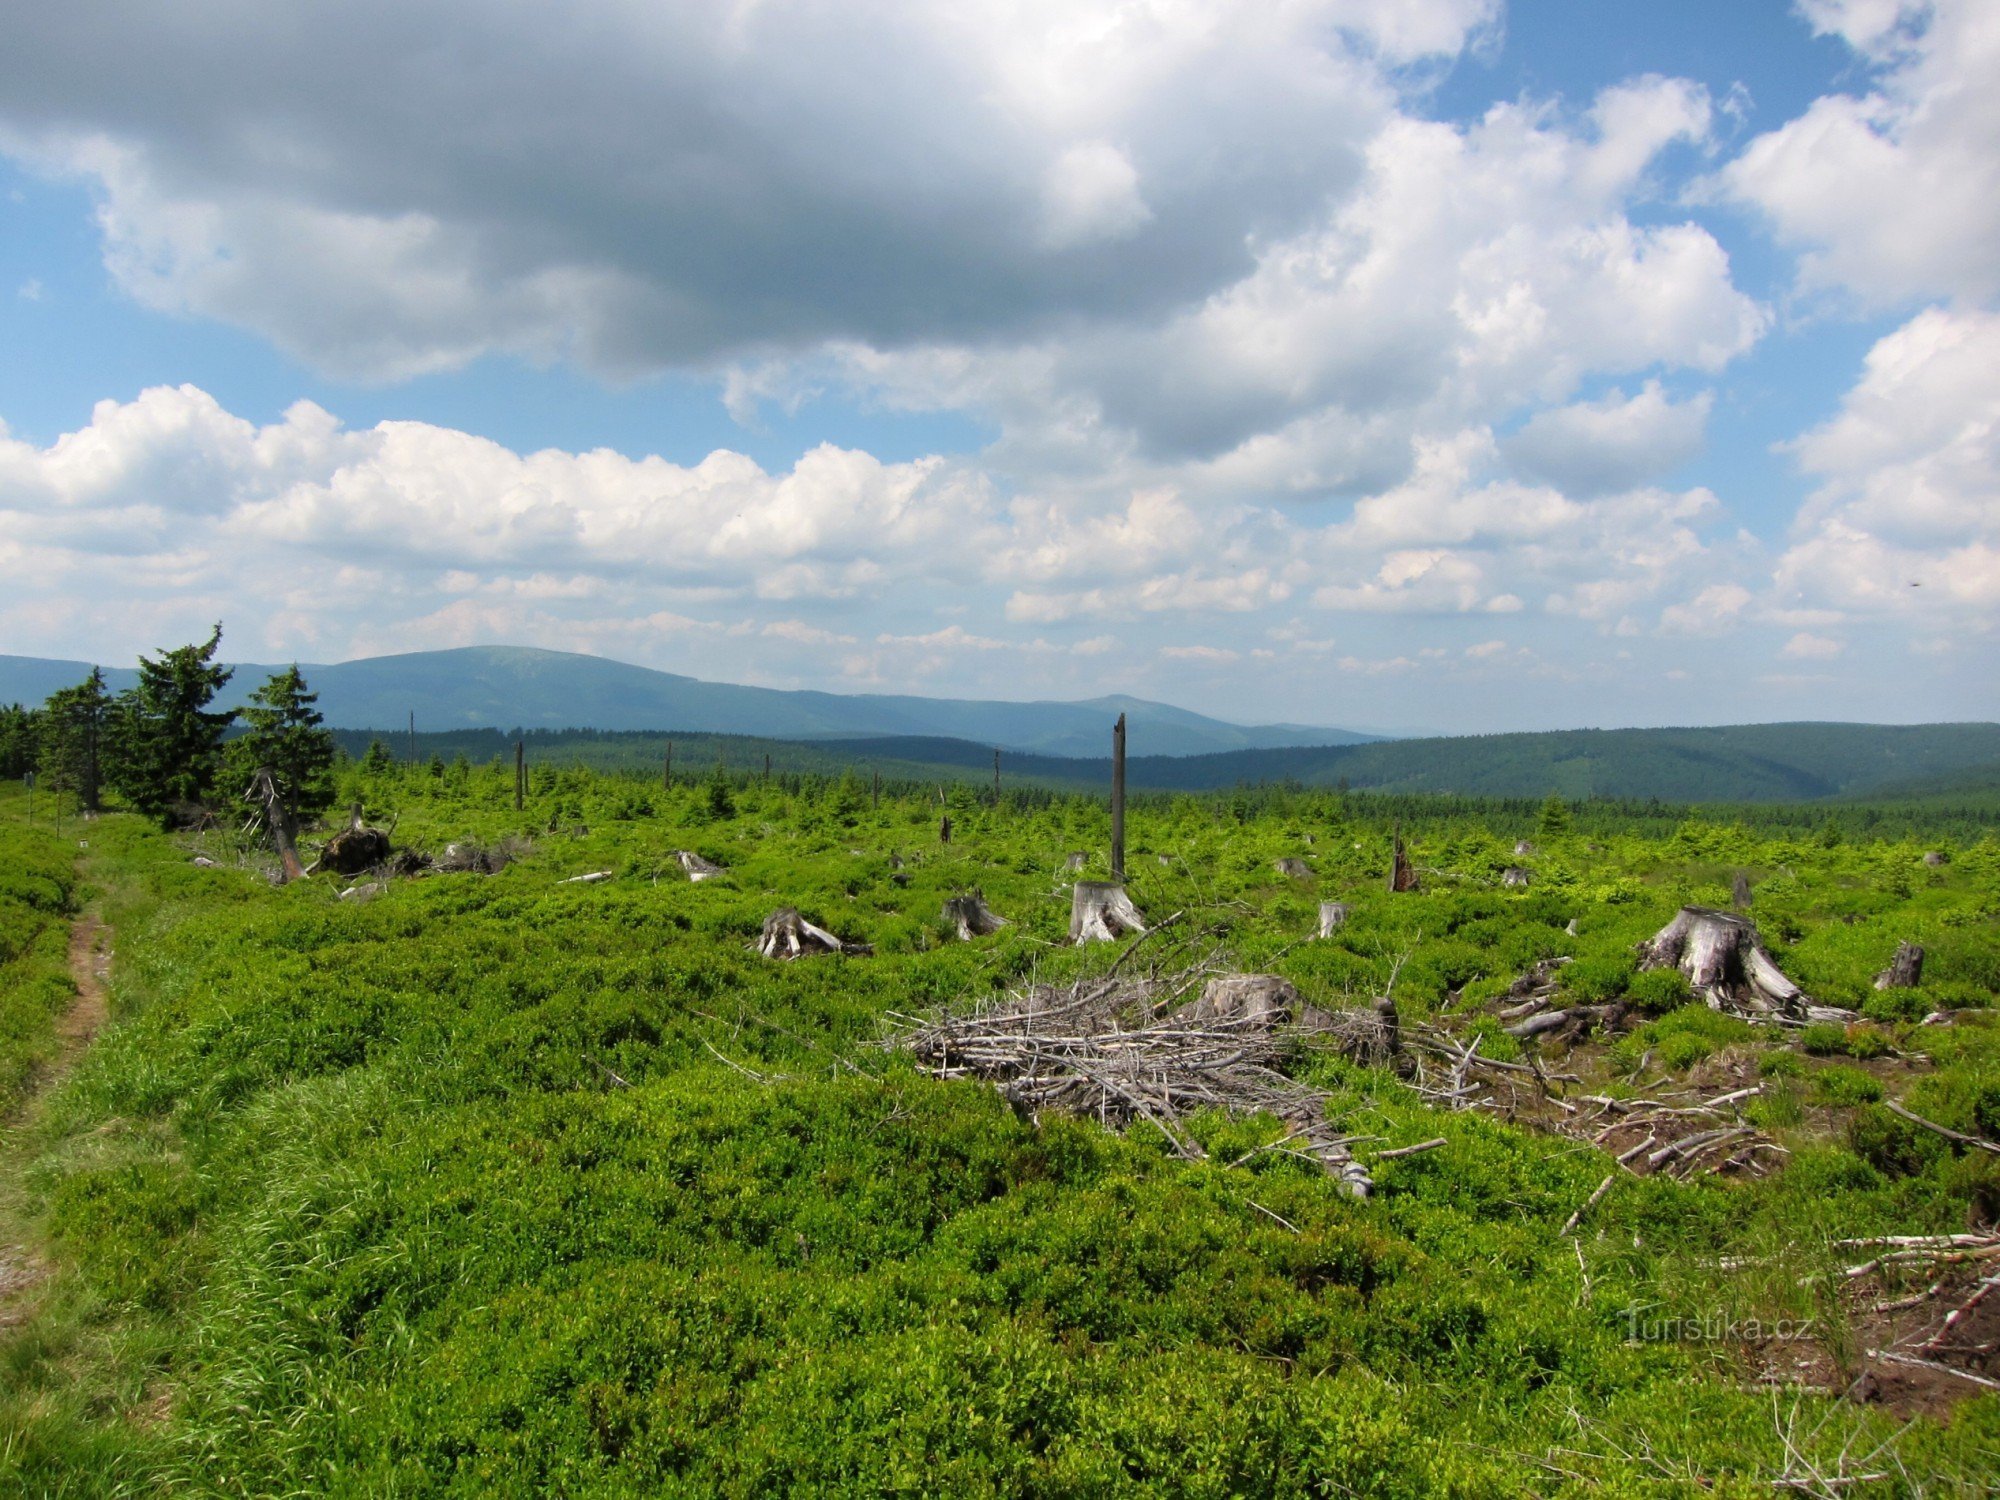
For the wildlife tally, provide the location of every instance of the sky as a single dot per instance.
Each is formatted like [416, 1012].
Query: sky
[1406, 365]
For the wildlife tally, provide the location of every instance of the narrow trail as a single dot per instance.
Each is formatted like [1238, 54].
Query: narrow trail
[21, 1271]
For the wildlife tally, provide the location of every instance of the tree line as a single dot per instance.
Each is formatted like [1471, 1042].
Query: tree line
[161, 746]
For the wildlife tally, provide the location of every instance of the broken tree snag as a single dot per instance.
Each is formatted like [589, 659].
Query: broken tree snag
[355, 848]
[1075, 863]
[1906, 969]
[1725, 962]
[1101, 912]
[270, 802]
[1524, 847]
[1332, 914]
[1401, 876]
[1262, 1000]
[1514, 875]
[788, 935]
[1118, 799]
[972, 916]
[1739, 892]
[1297, 869]
[697, 868]
[944, 829]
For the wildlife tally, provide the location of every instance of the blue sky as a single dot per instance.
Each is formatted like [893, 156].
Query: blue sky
[1435, 364]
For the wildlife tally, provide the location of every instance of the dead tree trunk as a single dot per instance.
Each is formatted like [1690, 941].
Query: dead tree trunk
[265, 795]
[1100, 912]
[1118, 800]
[1739, 892]
[1906, 969]
[1401, 876]
[972, 916]
[1725, 961]
[788, 935]
[944, 829]
[1332, 914]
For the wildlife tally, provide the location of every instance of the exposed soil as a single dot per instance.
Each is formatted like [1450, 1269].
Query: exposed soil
[90, 967]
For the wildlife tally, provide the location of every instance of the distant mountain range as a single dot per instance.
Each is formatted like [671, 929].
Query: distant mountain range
[510, 687]
[629, 711]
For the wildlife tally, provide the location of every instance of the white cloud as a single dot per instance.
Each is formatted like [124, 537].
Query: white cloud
[1808, 647]
[1614, 443]
[1906, 521]
[1894, 194]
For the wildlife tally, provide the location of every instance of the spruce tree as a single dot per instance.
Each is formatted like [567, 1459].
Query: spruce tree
[19, 729]
[287, 734]
[172, 742]
[74, 739]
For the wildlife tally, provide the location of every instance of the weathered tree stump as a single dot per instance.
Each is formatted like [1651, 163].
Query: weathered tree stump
[1725, 962]
[972, 916]
[696, 867]
[1906, 969]
[1297, 869]
[1934, 858]
[1332, 914]
[1524, 847]
[789, 935]
[1100, 912]
[1260, 999]
[944, 829]
[1402, 877]
[1514, 875]
[1075, 862]
[1739, 892]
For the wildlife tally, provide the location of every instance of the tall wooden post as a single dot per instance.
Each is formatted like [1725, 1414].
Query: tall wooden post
[1118, 801]
[520, 773]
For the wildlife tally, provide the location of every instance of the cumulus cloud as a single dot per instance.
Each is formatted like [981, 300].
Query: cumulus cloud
[1905, 521]
[1614, 443]
[1893, 194]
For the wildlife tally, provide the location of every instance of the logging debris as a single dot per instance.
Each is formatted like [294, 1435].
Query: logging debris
[1157, 1047]
[697, 868]
[356, 848]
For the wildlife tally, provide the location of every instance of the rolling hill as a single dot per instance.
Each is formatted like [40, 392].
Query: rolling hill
[516, 686]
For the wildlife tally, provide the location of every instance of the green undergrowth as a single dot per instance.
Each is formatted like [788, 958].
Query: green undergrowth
[38, 896]
[498, 1185]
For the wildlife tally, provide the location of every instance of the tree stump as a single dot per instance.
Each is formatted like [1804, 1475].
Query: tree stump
[696, 867]
[972, 916]
[1074, 863]
[1260, 999]
[1514, 875]
[1725, 962]
[1100, 912]
[1934, 858]
[789, 935]
[1739, 892]
[1332, 914]
[1906, 969]
[1524, 847]
[1297, 869]
[1401, 876]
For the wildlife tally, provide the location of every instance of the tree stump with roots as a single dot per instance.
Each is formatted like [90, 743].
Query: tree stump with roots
[788, 935]
[695, 866]
[972, 916]
[355, 848]
[1725, 963]
[1101, 912]
[1332, 914]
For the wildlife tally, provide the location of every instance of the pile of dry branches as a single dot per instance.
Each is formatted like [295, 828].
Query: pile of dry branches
[1156, 1048]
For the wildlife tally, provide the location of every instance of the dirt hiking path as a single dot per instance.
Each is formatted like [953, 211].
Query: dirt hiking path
[90, 967]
